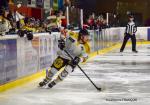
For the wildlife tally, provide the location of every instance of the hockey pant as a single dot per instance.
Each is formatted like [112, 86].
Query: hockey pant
[68, 70]
[56, 66]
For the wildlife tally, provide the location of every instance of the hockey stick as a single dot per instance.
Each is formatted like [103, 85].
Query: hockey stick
[84, 72]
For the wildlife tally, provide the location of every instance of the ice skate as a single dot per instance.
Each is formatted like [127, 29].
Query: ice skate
[51, 84]
[43, 83]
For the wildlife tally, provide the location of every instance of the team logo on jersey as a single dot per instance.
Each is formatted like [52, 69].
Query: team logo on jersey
[58, 63]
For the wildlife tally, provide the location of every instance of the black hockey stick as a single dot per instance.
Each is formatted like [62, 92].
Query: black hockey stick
[84, 73]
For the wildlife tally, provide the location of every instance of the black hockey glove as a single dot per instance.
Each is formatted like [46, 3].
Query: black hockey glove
[61, 44]
[75, 61]
[125, 34]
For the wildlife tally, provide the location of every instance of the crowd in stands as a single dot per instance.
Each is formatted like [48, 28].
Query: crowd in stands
[11, 21]
[95, 22]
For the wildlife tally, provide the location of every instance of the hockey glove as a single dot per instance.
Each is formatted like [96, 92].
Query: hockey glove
[61, 44]
[125, 34]
[75, 61]
[29, 35]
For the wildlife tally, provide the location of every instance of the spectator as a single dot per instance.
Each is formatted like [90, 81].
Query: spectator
[4, 23]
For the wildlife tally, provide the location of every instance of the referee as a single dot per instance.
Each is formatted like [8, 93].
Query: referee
[130, 33]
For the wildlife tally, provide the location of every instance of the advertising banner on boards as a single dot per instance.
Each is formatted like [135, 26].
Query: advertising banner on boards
[28, 52]
[46, 48]
[2, 57]
[8, 60]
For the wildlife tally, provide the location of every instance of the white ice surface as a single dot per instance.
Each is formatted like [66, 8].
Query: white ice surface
[124, 77]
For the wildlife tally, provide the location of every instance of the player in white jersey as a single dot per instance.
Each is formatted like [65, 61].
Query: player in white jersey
[78, 49]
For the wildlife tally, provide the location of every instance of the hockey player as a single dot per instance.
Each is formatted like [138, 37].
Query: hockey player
[77, 49]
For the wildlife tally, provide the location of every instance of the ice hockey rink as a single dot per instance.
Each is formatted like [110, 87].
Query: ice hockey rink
[124, 77]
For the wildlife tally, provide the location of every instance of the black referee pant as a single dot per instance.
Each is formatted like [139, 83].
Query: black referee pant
[126, 38]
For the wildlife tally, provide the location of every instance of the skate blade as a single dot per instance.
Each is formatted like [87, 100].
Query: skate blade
[44, 86]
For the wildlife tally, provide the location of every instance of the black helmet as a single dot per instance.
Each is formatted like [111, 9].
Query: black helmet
[83, 32]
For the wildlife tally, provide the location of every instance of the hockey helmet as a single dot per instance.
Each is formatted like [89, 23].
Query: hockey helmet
[83, 32]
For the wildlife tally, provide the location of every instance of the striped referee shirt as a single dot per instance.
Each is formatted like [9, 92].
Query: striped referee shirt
[131, 28]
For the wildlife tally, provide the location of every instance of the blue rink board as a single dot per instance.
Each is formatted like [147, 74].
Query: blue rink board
[8, 60]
